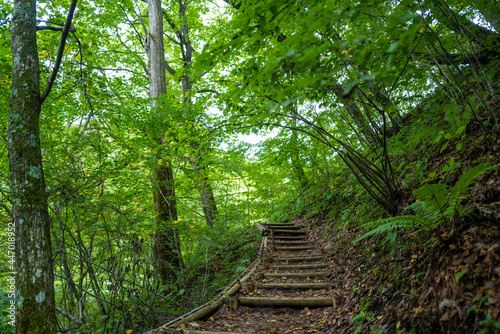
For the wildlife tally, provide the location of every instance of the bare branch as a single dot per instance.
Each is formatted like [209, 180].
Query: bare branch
[60, 52]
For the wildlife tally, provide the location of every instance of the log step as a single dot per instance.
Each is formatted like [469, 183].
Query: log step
[286, 302]
[292, 286]
[289, 232]
[187, 331]
[310, 274]
[285, 227]
[284, 237]
[294, 248]
[302, 266]
[300, 259]
[291, 242]
[278, 225]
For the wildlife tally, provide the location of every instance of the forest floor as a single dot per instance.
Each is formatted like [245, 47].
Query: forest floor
[443, 289]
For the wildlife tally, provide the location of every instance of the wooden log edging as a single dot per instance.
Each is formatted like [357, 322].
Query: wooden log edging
[214, 305]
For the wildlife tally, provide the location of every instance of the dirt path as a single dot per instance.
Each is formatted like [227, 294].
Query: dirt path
[291, 291]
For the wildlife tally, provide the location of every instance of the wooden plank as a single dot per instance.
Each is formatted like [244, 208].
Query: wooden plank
[292, 249]
[188, 331]
[302, 266]
[285, 227]
[286, 302]
[310, 274]
[292, 286]
[282, 224]
[292, 242]
[292, 232]
[285, 237]
[299, 259]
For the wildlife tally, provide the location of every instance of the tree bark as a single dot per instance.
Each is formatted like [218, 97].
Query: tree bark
[166, 240]
[206, 194]
[33, 251]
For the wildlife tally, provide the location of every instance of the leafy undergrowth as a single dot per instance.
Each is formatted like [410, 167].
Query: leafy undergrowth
[419, 285]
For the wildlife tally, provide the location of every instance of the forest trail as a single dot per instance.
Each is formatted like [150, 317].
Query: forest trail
[290, 290]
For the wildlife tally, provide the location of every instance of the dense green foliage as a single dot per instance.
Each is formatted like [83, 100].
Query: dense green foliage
[351, 100]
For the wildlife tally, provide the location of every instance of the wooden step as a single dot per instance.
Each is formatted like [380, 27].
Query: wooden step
[294, 249]
[291, 242]
[292, 286]
[286, 302]
[284, 237]
[302, 266]
[190, 331]
[285, 228]
[310, 274]
[282, 224]
[299, 259]
[292, 232]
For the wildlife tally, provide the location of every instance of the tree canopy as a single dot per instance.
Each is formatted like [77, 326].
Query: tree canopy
[130, 139]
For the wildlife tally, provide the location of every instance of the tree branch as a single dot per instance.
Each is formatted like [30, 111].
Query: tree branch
[60, 52]
[38, 28]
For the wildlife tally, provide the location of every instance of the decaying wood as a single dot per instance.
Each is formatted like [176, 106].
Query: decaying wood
[293, 286]
[248, 286]
[233, 302]
[260, 227]
[286, 302]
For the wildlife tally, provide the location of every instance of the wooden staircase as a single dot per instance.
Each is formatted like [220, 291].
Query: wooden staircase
[291, 278]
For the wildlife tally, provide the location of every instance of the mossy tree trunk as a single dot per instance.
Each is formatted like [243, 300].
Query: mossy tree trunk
[206, 193]
[34, 264]
[167, 245]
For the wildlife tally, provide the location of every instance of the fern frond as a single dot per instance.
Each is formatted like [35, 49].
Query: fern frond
[462, 186]
[389, 224]
[433, 198]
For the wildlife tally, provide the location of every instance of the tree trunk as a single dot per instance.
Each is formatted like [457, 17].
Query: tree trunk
[33, 251]
[206, 194]
[357, 116]
[167, 245]
[296, 165]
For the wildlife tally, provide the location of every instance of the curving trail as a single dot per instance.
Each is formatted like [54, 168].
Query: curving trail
[289, 291]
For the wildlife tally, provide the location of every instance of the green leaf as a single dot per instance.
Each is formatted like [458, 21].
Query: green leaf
[459, 275]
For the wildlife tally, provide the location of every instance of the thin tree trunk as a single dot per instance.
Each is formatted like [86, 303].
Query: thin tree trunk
[206, 194]
[357, 116]
[167, 245]
[33, 250]
[296, 165]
